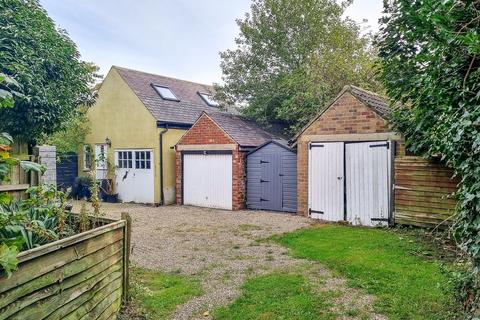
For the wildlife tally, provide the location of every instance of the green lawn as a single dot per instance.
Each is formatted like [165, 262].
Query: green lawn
[384, 263]
[155, 295]
[277, 296]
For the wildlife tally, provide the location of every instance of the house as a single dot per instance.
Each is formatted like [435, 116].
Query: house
[353, 167]
[135, 123]
[211, 160]
[272, 177]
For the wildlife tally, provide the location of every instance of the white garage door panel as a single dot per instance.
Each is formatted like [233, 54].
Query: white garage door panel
[207, 180]
[367, 169]
[326, 181]
[134, 175]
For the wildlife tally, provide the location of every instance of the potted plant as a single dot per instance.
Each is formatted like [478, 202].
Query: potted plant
[108, 193]
[107, 186]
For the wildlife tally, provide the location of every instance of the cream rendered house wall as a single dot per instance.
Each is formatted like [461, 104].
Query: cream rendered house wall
[120, 115]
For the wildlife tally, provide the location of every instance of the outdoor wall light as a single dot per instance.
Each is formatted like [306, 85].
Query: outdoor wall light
[108, 142]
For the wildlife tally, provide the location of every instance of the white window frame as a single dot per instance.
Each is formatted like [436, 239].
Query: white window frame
[87, 166]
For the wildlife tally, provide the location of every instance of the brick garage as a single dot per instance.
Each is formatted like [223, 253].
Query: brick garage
[355, 115]
[219, 134]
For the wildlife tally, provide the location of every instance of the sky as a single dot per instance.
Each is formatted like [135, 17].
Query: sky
[180, 38]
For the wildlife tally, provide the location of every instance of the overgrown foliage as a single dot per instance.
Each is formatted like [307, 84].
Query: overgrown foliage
[292, 58]
[430, 59]
[72, 135]
[26, 224]
[47, 65]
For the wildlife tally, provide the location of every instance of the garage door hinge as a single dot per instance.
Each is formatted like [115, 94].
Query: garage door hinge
[261, 181]
[387, 145]
[315, 146]
[379, 219]
[310, 211]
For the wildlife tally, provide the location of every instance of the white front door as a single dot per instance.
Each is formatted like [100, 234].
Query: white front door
[367, 169]
[134, 175]
[207, 180]
[101, 161]
[326, 184]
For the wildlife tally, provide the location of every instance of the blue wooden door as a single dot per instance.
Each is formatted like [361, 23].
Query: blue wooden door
[271, 182]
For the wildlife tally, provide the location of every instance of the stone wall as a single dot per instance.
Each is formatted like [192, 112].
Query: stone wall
[47, 156]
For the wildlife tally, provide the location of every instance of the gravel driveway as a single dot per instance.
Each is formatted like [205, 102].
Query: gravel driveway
[222, 248]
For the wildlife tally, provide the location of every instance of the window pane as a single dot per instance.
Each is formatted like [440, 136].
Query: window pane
[129, 163]
[142, 164]
[147, 164]
[208, 99]
[166, 93]
[148, 155]
[137, 164]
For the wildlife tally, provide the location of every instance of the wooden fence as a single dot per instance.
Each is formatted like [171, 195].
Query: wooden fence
[423, 192]
[81, 277]
[20, 180]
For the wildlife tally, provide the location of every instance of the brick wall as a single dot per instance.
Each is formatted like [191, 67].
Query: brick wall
[206, 132]
[346, 116]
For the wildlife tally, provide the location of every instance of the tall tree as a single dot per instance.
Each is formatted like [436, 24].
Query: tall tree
[292, 57]
[47, 65]
[430, 57]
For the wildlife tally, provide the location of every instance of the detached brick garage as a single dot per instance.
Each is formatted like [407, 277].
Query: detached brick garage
[352, 167]
[211, 160]
[345, 161]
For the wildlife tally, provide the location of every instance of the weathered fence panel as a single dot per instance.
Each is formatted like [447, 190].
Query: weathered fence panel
[81, 277]
[19, 180]
[423, 192]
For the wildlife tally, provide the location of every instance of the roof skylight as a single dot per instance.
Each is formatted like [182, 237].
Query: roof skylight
[208, 99]
[165, 93]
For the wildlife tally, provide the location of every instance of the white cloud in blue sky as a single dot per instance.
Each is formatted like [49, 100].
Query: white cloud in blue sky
[180, 38]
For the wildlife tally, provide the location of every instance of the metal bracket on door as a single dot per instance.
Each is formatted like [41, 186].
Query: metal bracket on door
[263, 161]
[261, 181]
[387, 145]
[261, 199]
[310, 146]
[310, 211]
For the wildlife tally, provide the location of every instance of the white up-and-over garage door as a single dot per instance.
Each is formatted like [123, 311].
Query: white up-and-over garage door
[207, 180]
[350, 181]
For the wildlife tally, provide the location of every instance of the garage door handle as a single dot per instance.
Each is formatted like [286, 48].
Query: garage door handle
[263, 199]
[339, 178]
[261, 181]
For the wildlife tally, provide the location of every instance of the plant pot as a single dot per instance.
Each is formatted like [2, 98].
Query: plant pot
[110, 198]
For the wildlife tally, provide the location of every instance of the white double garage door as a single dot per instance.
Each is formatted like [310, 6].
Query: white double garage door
[350, 181]
[207, 179]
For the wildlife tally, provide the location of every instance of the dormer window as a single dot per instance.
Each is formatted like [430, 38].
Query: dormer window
[165, 93]
[208, 99]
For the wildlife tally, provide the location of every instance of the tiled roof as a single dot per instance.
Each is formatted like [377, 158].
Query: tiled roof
[245, 132]
[186, 111]
[378, 103]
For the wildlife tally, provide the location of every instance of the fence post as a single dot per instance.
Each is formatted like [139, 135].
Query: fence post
[126, 254]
